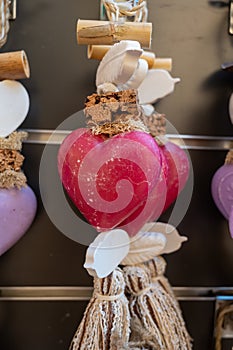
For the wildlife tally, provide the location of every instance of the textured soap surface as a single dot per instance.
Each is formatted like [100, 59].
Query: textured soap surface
[178, 171]
[222, 189]
[108, 179]
[17, 212]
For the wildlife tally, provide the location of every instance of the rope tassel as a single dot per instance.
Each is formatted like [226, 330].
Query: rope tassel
[157, 267]
[153, 306]
[106, 321]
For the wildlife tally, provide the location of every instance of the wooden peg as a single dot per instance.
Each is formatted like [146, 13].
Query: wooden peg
[97, 52]
[14, 65]
[108, 33]
[162, 63]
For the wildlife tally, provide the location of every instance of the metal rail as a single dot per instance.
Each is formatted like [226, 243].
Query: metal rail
[84, 293]
[191, 142]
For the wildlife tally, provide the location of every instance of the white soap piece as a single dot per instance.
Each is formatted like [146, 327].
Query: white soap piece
[144, 247]
[106, 87]
[157, 84]
[137, 78]
[106, 253]
[119, 63]
[231, 108]
[173, 239]
[148, 110]
[14, 106]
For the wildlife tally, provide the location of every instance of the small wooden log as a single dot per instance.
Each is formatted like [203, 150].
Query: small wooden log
[14, 65]
[163, 63]
[108, 33]
[97, 52]
[149, 57]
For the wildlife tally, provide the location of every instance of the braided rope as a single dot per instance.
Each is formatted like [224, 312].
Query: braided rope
[114, 12]
[219, 325]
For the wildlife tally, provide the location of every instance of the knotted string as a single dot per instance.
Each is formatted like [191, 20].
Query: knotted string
[153, 305]
[115, 13]
[106, 320]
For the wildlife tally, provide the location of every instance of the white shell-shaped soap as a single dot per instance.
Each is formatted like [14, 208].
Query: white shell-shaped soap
[119, 63]
[144, 247]
[14, 106]
[231, 108]
[137, 78]
[106, 253]
[157, 84]
[173, 239]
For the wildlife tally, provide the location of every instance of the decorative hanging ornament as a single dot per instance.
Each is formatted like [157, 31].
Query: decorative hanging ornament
[222, 189]
[120, 178]
[17, 200]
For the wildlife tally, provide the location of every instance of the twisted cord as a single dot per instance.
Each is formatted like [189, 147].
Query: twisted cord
[114, 12]
[219, 325]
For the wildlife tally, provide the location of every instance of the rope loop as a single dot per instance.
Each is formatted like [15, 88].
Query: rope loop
[116, 12]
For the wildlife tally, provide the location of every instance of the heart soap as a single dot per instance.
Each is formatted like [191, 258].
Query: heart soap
[17, 211]
[222, 189]
[178, 171]
[14, 102]
[152, 207]
[109, 178]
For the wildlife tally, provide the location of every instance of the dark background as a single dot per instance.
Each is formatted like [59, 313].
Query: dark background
[195, 35]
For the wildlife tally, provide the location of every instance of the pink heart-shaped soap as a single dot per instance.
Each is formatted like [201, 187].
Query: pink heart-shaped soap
[152, 208]
[108, 178]
[222, 189]
[17, 211]
[178, 171]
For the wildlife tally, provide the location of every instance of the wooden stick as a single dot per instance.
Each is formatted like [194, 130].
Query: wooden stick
[163, 63]
[107, 33]
[14, 65]
[97, 52]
